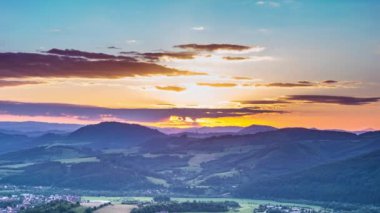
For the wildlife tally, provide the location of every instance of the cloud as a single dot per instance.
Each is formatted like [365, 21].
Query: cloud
[263, 102]
[89, 55]
[131, 41]
[217, 84]
[220, 47]
[168, 55]
[113, 48]
[235, 58]
[320, 99]
[241, 78]
[330, 82]
[206, 52]
[327, 99]
[198, 28]
[171, 88]
[91, 113]
[74, 63]
[12, 83]
[322, 84]
[273, 4]
[280, 84]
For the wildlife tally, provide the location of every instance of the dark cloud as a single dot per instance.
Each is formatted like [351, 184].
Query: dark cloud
[72, 63]
[213, 47]
[171, 88]
[321, 99]
[137, 115]
[280, 84]
[217, 84]
[89, 55]
[12, 83]
[193, 50]
[326, 84]
[327, 99]
[330, 82]
[113, 48]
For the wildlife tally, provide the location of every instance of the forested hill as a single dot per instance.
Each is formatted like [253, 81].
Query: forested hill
[355, 180]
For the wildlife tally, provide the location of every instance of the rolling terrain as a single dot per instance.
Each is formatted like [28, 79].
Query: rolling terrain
[255, 163]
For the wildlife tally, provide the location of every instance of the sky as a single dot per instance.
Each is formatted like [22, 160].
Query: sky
[167, 63]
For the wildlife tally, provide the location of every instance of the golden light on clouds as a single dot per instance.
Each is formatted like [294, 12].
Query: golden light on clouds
[208, 76]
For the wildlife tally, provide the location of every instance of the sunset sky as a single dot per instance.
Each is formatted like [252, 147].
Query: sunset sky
[192, 63]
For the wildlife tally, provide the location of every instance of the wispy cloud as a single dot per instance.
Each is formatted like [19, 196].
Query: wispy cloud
[220, 47]
[328, 99]
[242, 78]
[131, 41]
[311, 84]
[198, 28]
[263, 102]
[13, 83]
[171, 88]
[205, 52]
[217, 84]
[113, 48]
[236, 58]
[314, 99]
[273, 4]
[168, 55]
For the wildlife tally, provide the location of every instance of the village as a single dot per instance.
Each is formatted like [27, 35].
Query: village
[16, 203]
[270, 208]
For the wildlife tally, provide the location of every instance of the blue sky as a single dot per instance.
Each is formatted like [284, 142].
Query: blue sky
[310, 29]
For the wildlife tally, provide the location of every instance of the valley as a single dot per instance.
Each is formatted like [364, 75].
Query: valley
[130, 160]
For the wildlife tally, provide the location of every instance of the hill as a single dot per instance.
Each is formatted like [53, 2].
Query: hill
[12, 142]
[356, 180]
[113, 135]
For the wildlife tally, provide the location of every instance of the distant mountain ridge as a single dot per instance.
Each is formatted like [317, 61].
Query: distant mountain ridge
[253, 129]
[202, 130]
[32, 128]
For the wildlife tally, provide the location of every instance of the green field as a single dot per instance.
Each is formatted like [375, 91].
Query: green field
[247, 205]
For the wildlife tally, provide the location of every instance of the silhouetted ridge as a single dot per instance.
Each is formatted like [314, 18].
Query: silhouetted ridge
[373, 134]
[114, 132]
[253, 129]
[307, 134]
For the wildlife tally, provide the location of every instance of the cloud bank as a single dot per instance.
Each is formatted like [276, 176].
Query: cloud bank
[91, 113]
[74, 63]
[314, 99]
